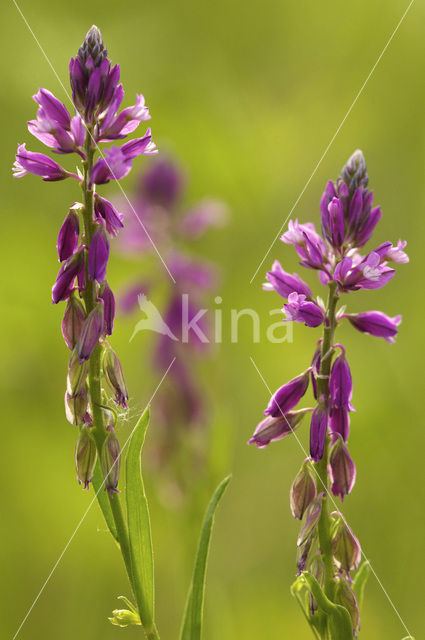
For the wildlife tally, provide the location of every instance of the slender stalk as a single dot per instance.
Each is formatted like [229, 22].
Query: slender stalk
[322, 465]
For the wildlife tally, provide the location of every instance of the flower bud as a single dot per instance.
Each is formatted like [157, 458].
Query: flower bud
[76, 406]
[375, 323]
[344, 545]
[313, 513]
[288, 396]
[341, 383]
[67, 273]
[272, 429]
[68, 235]
[77, 374]
[342, 468]
[73, 321]
[318, 430]
[303, 552]
[110, 460]
[91, 331]
[98, 256]
[114, 375]
[345, 596]
[124, 618]
[303, 490]
[109, 309]
[85, 457]
[354, 172]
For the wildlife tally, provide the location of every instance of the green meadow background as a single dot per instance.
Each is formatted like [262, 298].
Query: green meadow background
[247, 96]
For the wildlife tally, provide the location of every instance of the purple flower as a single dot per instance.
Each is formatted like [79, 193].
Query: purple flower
[318, 430]
[98, 256]
[91, 332]
[339, 422]
[341, 383]
[162, 184]
[370, 272]
[126, 122]
[288, 396]
[104, 210]
[387, 251]
[308, 244]
[342, 469]
[39, 165]
[119, 160]
[68, 235]
[54, 127]
[109, 309]
[66, 277]
[333, 223]
[298, 310]
[375, 323]
[273, 429]
[285, 283]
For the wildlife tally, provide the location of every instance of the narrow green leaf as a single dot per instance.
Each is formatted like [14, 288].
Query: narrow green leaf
[360, 581]
[139, 527]
[192, 621]
[102, 498]
[338, 617]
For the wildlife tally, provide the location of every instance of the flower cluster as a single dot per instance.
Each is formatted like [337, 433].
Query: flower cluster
[158, 204]
[348, 219]
[84, 238]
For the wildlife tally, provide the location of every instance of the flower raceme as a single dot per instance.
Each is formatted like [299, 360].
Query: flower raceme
[348, 219]
[83, 243]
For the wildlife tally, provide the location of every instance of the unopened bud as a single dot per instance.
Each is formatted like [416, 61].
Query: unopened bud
[68, 235]
[302, 491]
[85, 457]
[114, 375]
[354, 172]
[342, 468]
[312, 518]
[345, 547]
[91, 331]
[110, 460]
[345, 596]
[77, 374]
[73, 321]
[76, 406]
[124, 618]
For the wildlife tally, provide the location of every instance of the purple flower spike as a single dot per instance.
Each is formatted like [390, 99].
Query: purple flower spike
[104, 210]
[318, 430]
[376, 324]
[109, 309]
[273, 429]
[91, 332]
[285, 283]
[342, 469]
[39, 165]
[298, 310]
[288, 396]
[341, 383]
[66, 277]
[98, 255]
[69, 234]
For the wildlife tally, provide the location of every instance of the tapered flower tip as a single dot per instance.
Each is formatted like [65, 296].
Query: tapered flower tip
[93, 46]
[354, 172]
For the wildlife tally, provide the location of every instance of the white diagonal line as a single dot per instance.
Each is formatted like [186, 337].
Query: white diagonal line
[334, 503]
[333, 138]
[87, 510]
[95, 143]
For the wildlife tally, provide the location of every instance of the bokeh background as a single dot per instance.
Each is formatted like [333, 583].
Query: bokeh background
[247, 96]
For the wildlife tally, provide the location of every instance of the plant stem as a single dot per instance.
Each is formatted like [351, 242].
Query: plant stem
[322, 465]
[90, 299]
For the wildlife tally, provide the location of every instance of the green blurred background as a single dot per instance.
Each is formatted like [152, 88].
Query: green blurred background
[247, 96]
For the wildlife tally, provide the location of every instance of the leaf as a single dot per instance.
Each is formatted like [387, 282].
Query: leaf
[102, 498]
[192, 621]
[139, 527]
[297, 587]
[339, 620]
[360, 581]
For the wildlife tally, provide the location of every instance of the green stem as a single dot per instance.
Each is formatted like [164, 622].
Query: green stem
[94, 378]
[322, 465]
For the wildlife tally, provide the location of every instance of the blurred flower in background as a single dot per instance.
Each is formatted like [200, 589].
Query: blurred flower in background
[158, 221]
